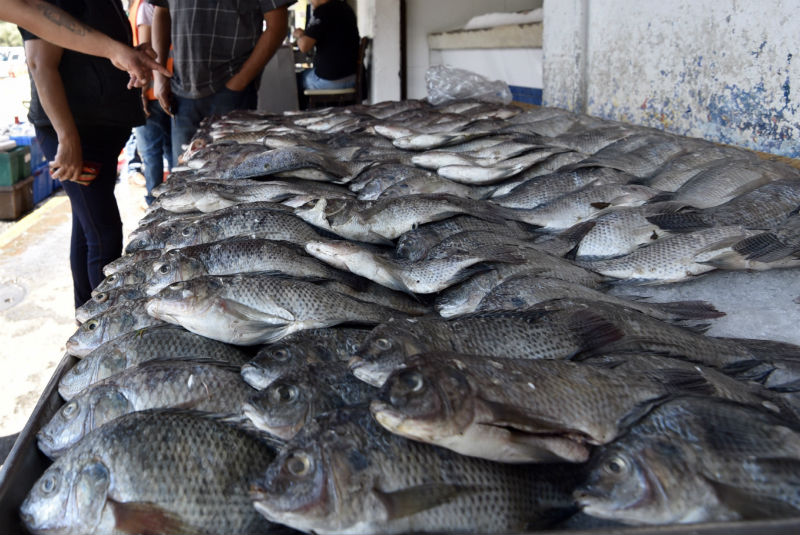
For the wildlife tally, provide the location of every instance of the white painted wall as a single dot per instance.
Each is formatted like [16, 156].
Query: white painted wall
[430, 16]
[721, 70]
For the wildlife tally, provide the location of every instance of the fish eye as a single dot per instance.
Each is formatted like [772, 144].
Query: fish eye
[299, 464]
[92, 324]
[112, 278]
[49, 484]
[616, 465]
[164, 269]
[70, 410]
[186, 231]
[102, 297]
[142, 242]
[281, 354]
[383, 343]
[284, 393]
[177, 285]
[413, 381]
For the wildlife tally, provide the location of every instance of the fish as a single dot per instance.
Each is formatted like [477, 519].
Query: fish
[592, 140]
[697, 460]
[371, 292]
[721, 183]
[616, 231]
[301, 162]
[124, 318]
[672, 258]
[258, 221]
[640, 156]
[133, 475]
[374, 180]
[159, 342]
[518, 410]
[296, 353]
[479, 175]
[347, 475]
[102, 301]
[524, 291]
[679, 170]
[415, 244]
[763, 208]
[545, 188]
[775, 245]
[526, 334]
[421, 277]
[385, 219]
[291, 401]
[237, 255]
[134, 276]
[432, 185]
[484, 156]
[250, 309]
[200, 384]
[585, 203]
[465, 297]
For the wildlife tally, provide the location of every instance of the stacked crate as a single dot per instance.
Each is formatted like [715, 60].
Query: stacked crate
[43, 184]
[16, 182]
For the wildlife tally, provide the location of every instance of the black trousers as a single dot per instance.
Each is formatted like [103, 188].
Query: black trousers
[96, 224]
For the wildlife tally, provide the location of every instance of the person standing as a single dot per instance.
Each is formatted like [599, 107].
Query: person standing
[83, 113]
[153, 140]
[332, 29]
[219, 53]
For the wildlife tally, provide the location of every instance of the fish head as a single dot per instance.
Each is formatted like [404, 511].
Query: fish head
[337, 253]
[140, 240]
[173, 267]
[115, 280]
[425, 401]
[383, 351]
[184, 298]
[323, 480]
[79, 416]
[283, 358]
[70, 497]
[184, 236]
[282, 408]
[98, 304]
[90, 334]
[635, 483]
[78, 377]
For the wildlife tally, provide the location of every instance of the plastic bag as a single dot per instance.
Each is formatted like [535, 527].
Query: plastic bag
[449, 83]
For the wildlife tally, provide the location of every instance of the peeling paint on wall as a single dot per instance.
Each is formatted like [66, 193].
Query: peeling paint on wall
[723, 71]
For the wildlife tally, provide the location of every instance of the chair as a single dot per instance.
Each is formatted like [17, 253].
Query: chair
[318, 98]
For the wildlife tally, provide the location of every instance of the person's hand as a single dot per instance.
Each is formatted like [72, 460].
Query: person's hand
[237, 82]
[68, 163]
[145, 107]
[163, 92]
[139, 62]
[298, 33]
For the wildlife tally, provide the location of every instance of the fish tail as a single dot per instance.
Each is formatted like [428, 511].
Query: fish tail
[689, 310]
[765, 247]
[594, 331]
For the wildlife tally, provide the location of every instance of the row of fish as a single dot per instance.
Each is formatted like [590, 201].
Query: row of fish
[394, 318]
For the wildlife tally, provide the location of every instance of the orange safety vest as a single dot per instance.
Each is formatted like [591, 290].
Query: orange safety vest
[133, 15]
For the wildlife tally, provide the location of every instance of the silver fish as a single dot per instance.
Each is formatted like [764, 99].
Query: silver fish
[113, 323]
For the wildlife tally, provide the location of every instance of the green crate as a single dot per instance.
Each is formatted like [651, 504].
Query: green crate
[14, 165]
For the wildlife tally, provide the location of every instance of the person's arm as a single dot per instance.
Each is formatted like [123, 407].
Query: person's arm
[304, 42]
[268, 43]
[43, 59]
[160, 34]
[55, 25]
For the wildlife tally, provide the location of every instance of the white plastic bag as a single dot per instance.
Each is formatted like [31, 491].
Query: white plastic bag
[449, 83]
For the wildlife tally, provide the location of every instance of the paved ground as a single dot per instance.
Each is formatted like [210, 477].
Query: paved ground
[36, 310]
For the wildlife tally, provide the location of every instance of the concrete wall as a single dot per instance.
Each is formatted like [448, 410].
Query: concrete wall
[721, 70]
[429, 16]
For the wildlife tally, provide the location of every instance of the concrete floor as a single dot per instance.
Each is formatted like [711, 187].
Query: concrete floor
[36, 309]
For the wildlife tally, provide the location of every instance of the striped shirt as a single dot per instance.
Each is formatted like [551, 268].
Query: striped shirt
[211, 40]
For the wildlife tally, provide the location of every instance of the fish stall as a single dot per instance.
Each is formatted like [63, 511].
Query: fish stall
[405, 317]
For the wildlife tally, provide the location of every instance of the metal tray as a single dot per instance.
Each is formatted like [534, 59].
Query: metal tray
[25, 463]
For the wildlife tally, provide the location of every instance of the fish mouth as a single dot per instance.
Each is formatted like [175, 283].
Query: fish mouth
[363, 371]
[387, 416]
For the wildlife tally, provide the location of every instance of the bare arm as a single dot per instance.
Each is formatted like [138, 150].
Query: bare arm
[304, 42]
[268, 43]
[55, 25]
[160, 34]
[43, 59]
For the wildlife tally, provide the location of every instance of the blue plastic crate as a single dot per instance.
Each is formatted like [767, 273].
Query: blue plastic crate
[37, 156]
[42, 184]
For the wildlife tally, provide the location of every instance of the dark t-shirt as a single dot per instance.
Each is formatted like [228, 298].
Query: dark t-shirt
[333, 25]
[96, 91]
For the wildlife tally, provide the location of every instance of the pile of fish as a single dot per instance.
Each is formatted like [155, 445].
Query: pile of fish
[395, 318]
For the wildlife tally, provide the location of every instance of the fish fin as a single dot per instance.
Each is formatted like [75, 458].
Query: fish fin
[684, 382]
[686, 310]
[413, 500]
[222, 364]
[661, 197]
[750, 504]
[576, 233]
[765, 247]
[769, 349]
[594, 330]
[600, 205]
[680, 221]
[147, 519]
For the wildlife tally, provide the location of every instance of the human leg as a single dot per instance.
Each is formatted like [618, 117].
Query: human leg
[153, 142]
[187, 114]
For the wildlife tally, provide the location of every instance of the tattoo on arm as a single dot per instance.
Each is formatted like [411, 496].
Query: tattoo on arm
[56, 16]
